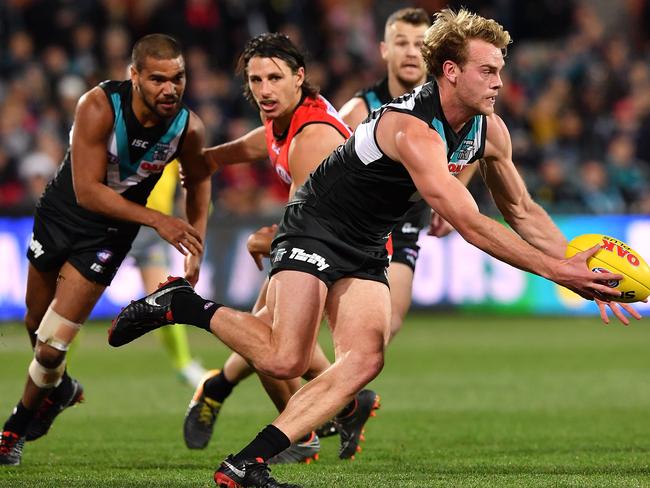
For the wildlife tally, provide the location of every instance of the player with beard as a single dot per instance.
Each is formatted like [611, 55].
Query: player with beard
[124, 134]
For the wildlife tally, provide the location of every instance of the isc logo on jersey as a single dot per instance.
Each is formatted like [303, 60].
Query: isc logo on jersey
[140, 143]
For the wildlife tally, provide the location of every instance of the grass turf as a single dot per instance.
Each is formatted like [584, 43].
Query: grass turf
[468, 401]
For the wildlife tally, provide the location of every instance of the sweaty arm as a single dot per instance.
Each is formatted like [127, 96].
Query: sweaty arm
[421, 150]
[245, 149]
[527, 217]
[354, 111]
[198, 188]
[511, 197]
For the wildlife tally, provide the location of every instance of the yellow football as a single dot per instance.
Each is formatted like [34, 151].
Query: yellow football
[616, 257]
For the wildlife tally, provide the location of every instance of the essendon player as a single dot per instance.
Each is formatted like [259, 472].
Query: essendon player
[300, 129]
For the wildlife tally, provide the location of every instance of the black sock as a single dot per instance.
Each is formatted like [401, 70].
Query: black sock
[348, 409]
[268, 443]
[19, 419]
[218, 387]
[191, 309]
[64, 389]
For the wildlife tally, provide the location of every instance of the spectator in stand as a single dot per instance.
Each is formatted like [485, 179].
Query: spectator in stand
[625, 171]
[597, 192]
[572, 87]
[554, 190]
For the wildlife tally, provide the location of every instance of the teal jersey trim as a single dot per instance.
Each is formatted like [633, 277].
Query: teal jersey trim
[175, 128]
[440, 129]
[121, 139]
[470, 137]
[127, 167]
[372, 100]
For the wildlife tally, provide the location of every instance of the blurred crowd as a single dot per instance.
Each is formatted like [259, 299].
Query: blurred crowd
[576, 95]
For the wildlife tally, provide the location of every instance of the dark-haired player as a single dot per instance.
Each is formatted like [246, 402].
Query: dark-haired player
[124, 134]
[299, 129]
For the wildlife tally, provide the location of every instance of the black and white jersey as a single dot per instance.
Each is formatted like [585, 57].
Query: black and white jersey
[136, 157]
[359, 193]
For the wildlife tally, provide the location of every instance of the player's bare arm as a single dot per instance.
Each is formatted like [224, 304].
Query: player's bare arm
[527, 217]
[93, 124]
[354, 112]
[245, 149]
[422, 151]
[198, 187]
[511, 196]
[308, 149]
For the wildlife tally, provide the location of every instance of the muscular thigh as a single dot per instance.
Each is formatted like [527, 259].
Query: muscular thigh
[295, 301]
[41, 286]
[358, 312]
[75, 294]
[400, 277]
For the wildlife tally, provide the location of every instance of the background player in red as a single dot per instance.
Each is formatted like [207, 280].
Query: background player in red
[300, 129]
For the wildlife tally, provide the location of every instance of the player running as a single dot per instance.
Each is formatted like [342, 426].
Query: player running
[124, 134]
[401, 49]
[300, 128]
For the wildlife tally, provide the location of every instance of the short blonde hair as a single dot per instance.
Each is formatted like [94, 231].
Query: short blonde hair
[448, 36]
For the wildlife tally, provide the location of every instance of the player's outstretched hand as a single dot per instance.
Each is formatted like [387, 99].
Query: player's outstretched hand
[259, 243]
[180, 234]
[575, 275]
[617, 310]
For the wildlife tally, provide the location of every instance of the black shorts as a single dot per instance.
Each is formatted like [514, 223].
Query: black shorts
[303, 244]
[96, 253]
[405, 234]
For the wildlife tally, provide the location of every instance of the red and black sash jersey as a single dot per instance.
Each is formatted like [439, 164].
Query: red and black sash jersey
[310, 111]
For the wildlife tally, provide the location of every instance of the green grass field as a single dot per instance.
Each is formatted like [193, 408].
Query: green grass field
[467, 402]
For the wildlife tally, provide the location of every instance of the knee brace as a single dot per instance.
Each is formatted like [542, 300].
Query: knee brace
[57, 331]
[46, 377]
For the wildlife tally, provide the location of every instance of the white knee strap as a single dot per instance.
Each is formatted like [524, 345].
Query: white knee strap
[46, 377]
[57, 331]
